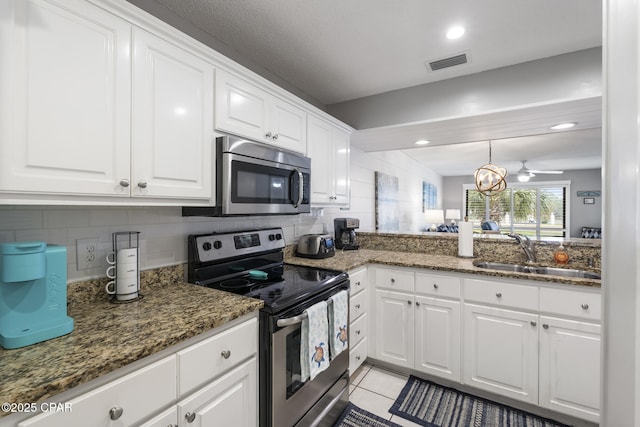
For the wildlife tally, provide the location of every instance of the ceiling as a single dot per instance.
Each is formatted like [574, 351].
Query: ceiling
[339, 50]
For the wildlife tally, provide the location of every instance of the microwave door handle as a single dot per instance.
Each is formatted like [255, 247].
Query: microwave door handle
[300, 187]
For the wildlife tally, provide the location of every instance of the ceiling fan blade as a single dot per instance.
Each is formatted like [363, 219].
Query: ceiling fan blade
[550, 172]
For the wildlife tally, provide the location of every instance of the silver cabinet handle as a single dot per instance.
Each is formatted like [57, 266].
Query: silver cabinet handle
[226, 354]
[190, 416]
[417, 304]
[409, 302]
[142, 184]
[357, 305]
[115, 413]
[357, 283]
[268, 135]
[358, 332]
[124, 183]
[499, 294]
[585, 306]
[533, 323]
[357, 357]
[435, 286]
[544, 325]
[393, 280]
[275, 136]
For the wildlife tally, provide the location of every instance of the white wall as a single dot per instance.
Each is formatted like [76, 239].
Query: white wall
[621, 253]
[164, 230]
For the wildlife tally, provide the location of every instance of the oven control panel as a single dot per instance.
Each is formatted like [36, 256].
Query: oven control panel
[214, 247]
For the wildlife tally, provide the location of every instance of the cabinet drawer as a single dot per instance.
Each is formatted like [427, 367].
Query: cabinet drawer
[357, 356]
[138, 394]
[358, 305]
[358, 330]
[358, 279]
[501, 294]
[204, 361]
[438, 285]
[399, 280]
[566, 302]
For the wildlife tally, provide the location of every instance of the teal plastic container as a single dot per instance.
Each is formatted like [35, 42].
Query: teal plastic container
[33, 293]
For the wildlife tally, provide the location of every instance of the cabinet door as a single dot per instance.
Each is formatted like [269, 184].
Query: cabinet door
[241, 108]
[501, 351]
[231, 400]
[437, 344]
[64, 111]
[288, 126]
[328, 148]
[319, 148]
[172, 120]
[341, 144]
[570, 367]
[394, 328]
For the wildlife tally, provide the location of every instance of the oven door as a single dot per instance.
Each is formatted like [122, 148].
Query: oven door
[320, 399]
[256, 186]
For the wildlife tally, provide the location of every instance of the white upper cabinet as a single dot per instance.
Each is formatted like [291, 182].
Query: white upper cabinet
[328, 146]
[64, 110]
[98, 107]
[246, 110]
[172, 126]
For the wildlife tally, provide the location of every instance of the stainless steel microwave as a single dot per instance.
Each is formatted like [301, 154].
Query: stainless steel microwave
[253, 178]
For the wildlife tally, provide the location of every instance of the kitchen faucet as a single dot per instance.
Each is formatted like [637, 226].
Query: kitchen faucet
[527, 246]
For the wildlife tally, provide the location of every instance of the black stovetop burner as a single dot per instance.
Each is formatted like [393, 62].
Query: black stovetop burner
[251, 264]
[281, 286]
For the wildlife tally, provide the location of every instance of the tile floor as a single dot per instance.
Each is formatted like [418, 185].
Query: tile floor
[375, 389]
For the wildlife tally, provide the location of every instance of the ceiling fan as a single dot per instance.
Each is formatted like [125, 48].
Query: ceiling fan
[524, 173]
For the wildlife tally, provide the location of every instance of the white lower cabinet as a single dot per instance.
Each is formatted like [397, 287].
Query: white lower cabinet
[212, 382]
[525, 340]
[501, 351]
[228, 401]
[394, 328]
[570, 367]
[358, 319]
[437, 337]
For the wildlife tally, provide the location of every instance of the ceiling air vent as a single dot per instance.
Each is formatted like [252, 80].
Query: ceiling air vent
[448, 62]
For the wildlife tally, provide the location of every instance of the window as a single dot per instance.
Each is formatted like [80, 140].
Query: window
[537, 210]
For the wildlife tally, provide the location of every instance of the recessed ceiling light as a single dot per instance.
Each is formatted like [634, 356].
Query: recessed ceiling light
[561, 126]
[455, 32]
[422, 142]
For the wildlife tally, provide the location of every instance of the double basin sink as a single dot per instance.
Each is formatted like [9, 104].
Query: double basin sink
[533, 269]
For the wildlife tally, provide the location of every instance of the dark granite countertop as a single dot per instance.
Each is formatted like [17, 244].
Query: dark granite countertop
[349, 260]
[108, 336]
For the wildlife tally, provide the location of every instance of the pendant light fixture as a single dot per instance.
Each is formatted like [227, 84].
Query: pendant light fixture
[490, 179]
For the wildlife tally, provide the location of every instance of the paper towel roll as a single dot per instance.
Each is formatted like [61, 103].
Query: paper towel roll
[465, 239]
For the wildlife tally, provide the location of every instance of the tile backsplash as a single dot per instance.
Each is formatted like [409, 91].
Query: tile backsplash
[163, 230]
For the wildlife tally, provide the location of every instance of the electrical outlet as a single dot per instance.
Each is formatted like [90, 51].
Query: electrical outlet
[87, 253]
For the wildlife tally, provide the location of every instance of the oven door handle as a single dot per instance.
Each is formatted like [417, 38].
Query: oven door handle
[297, 319]
[291, 320]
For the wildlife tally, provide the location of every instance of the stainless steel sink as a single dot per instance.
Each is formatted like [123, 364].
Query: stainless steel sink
[554, 271]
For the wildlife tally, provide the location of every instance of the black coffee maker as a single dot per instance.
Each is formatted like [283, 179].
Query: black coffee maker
[345, 233]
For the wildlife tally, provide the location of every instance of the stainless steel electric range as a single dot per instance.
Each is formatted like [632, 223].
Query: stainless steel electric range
[251, 263]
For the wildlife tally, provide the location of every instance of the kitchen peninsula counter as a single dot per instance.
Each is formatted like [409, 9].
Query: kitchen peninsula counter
[109, 336]
[349, 260]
